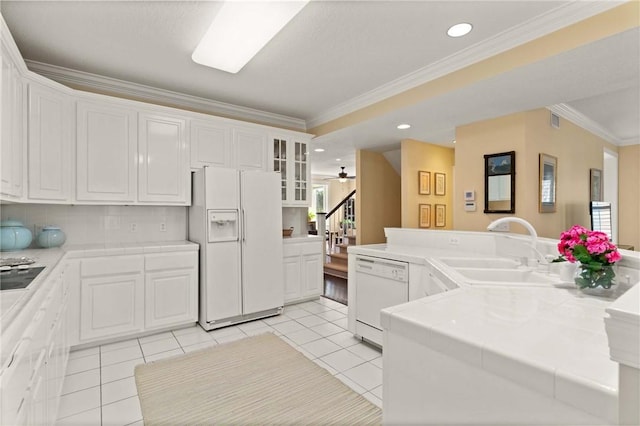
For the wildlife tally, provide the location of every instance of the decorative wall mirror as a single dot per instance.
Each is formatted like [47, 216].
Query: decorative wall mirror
[500, 182]
[548, 183]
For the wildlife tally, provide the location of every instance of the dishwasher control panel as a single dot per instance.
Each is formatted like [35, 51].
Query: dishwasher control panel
[384, 268]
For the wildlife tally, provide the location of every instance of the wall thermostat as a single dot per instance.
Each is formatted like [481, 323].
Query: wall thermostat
[470, 195]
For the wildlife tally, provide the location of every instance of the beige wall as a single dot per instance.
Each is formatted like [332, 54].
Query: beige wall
[629, 195]
[416, 156]
[338, 190]
[529, 134]
[377, 197]
[473, 141]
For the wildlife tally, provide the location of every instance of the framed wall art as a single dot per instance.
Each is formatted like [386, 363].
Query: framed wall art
[424, 216]
[440, 184]
[424, 182]
[547, 184]
[441, 215]
[595, 181]
[500, 182]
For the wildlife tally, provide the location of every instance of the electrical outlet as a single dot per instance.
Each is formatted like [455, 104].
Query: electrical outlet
[454, 241]
[163, 227]
[133, 227]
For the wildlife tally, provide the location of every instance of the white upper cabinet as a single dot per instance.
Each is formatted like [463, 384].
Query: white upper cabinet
[211, 144]
[219, 142]
[49, 144]
[11, 125]
[163, 170]
[291, 158]
[250, 147]
[106, 152]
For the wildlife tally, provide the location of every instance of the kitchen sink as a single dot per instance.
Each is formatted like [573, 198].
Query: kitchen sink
[507, 276]
[475, 262]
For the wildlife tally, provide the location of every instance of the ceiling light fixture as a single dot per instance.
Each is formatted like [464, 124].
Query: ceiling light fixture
[458, 30]
[342, 175]
[319, 150]
[403, 126]
[337, 159]
[240, 29]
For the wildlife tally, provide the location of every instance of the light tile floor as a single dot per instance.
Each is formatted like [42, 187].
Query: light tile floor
[100, 389]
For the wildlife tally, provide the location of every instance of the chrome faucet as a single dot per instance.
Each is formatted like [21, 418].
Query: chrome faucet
[532, 232]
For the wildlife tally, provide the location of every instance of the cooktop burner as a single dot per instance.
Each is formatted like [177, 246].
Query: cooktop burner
[14, 279]
[15, 261]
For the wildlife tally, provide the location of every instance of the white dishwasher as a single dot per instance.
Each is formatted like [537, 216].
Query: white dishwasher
[380, 283]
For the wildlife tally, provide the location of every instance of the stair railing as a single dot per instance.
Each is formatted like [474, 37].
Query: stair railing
[338, 223]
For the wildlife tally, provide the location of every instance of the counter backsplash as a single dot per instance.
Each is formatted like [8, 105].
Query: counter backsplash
[103, 224]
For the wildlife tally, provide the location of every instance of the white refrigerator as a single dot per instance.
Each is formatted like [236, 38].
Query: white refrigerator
[236, 218]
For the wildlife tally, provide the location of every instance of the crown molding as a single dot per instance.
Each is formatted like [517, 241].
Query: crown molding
[10, 46]
[532, 29]
[629, 141]
[152, 94]
[579, 119]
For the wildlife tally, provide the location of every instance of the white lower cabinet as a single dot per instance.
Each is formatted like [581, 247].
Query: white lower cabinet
[111, 296]
[122, 296]
[31, 381]
[302, 263]
[171, 289]
[111, 306]
[312, 273]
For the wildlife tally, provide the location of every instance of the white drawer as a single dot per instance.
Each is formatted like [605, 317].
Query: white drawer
[301, 248]
[112, 265]
[289, 250]
[311, 248]
[159, 262]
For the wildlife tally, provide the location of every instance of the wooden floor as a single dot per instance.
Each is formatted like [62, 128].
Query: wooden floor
[335, 289]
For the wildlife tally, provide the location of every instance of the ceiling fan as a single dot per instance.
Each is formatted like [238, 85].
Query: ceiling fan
[343, 176]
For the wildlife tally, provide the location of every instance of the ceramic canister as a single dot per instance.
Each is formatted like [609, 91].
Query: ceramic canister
[51, 236]
[14, 235]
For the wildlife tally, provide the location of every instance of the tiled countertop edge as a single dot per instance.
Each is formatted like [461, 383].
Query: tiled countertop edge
[623, 328]
[593, 398]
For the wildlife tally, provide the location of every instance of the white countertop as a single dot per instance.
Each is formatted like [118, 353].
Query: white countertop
[411, 254]
[551, 339]
[301, 238]
[13, 302]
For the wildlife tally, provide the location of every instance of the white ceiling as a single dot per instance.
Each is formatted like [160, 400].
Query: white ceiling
[338, 55]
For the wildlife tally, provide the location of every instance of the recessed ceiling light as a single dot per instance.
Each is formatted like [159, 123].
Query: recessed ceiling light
[454, 141]
[319, 150]
[338, 159]
[403, 126]
[458, 30]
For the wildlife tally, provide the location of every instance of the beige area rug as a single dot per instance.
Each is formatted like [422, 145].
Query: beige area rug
[257, 380]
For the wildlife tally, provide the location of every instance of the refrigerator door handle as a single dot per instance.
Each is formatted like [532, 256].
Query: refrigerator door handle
[244, 227]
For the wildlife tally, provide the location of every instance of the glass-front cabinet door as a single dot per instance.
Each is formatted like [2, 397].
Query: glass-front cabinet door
[280, 163]
[291, 159]
[300, 166]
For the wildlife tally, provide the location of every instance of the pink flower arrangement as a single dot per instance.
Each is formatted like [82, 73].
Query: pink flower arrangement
[595, 253]
[580, 244]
